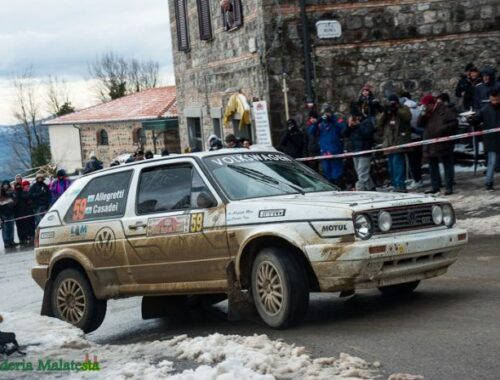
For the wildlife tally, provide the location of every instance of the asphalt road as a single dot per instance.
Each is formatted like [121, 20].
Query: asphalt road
[449, 329]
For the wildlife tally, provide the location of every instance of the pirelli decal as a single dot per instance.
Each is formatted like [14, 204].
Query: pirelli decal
[272, 213]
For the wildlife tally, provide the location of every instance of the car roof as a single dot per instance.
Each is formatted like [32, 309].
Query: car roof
[253, 149]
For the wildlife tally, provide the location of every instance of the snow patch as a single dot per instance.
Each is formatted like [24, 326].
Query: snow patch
[217, 356]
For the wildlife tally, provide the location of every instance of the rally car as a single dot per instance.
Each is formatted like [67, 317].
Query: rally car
[173, 226]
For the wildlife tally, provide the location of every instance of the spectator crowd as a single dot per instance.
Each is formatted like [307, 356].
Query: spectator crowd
[23, 205]
[371, 123]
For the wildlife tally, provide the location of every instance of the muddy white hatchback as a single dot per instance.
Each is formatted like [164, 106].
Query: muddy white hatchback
[243, 221]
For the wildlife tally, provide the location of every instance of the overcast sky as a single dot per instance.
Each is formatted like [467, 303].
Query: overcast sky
[60, 37]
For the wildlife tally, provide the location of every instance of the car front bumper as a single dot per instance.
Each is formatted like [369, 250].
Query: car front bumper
[385, 260]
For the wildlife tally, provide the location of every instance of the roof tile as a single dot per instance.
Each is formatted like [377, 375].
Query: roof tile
[153, 103]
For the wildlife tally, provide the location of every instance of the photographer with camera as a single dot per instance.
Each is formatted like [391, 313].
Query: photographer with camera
[395, 126]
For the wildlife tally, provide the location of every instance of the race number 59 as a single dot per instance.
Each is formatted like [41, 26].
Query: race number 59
[196, 222]
[79, 209]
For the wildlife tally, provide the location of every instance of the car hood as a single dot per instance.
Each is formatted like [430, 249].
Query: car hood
[317, 206]
[349, 199]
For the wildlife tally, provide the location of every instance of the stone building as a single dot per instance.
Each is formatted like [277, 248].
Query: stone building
[145, 120]
[395, 45]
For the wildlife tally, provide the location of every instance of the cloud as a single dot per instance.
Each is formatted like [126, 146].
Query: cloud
[61, 37]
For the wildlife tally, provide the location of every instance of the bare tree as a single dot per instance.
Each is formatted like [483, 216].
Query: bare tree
[142, 75]
[117, 77]
[58, 102]
[31, 148]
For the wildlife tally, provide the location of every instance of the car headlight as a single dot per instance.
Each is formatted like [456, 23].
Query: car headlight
[448, 216]
[437, 215]
[363, 226]
[384, 221]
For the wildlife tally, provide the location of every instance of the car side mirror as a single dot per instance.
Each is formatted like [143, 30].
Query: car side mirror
[205, 200]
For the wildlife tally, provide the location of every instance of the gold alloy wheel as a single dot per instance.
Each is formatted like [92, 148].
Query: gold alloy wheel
[269, 287]
[71, 301]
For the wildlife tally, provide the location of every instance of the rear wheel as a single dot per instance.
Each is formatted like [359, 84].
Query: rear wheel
[73, 301]
[399, 289]
[280, 288]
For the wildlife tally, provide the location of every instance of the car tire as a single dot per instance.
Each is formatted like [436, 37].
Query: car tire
[280, 288]
[399, 289]
[73, 301]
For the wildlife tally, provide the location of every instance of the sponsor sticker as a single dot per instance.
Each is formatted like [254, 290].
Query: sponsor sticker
[333, 229]
[169, 225]
[80, 230]
[247, 157]
[47, 235]
[271, 213]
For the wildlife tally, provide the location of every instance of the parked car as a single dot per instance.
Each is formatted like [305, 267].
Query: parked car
[172, 226]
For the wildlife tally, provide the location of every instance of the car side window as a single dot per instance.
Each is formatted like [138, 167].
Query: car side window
[103, 197]
[169, 188]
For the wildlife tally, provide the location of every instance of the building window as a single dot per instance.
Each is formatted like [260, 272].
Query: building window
[204, 20]
[232, 14]
[194, 133]
[139, 136]
[102, 137]
[182, 25]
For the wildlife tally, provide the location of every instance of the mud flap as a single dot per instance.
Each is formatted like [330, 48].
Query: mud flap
[46, 303]
[240, 302]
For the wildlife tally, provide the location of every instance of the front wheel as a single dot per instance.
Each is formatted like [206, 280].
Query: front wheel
[399, 290]
[280, 288]
[73, 301]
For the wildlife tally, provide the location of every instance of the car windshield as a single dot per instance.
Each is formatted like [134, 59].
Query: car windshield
[255, 175]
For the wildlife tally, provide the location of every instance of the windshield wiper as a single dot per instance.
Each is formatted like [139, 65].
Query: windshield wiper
[263, 177]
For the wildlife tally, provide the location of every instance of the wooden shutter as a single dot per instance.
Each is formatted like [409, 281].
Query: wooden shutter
[238, 13]
[182, 25]
[204, 20]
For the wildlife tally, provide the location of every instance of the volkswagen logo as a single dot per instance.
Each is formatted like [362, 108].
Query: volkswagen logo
[105, 243]
[412, 218]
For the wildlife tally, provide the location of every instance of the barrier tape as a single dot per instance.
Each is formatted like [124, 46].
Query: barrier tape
[402, 146]
[22, 217]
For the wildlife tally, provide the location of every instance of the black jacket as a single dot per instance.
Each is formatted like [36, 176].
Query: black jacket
[467, 87]
[490, 117]
[22, 203]
[293, 143]
[40, 195]
[482, 90]
[362, 135]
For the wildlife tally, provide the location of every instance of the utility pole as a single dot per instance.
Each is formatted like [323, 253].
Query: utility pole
[307, 53]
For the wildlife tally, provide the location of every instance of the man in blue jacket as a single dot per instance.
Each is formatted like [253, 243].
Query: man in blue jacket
[330, 129]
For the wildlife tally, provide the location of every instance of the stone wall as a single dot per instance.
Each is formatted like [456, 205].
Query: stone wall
[120, 138]
[395, 45]
[211, 67]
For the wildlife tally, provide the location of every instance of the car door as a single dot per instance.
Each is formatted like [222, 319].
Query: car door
[178, 230]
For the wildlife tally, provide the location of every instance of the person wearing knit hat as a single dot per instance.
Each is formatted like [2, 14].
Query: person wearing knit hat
[438, 120]
[365, 100]
[59, 185]
[395, 126]
[330, 130]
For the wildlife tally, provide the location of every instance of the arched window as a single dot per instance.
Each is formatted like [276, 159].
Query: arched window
[139, 136]
[102, 137]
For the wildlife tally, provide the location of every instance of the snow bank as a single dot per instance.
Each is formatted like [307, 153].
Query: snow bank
[481, 210]
[221, 357]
